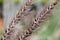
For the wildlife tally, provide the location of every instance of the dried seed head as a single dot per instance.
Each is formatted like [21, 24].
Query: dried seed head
[44, 14]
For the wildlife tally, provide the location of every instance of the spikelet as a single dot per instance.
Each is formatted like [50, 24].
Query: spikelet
[41, 18]
[9, 32]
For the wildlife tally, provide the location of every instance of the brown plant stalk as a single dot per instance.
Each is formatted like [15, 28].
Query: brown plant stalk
[10, 30]
[38, 20]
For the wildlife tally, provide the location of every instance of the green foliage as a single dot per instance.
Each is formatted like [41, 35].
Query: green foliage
[1, 2]
[44, 1]
[17, 1]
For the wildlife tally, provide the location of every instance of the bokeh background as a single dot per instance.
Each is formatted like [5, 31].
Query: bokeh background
[1, 16]
[49, 30]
